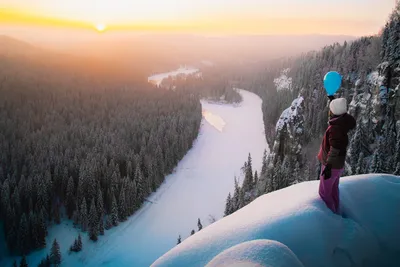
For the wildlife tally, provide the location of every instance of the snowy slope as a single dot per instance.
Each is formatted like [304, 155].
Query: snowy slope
[309, 234]
[197, 189]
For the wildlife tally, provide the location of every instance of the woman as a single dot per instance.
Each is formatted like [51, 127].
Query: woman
[332, 153]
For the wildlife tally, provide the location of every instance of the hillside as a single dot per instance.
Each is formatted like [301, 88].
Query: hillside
[11, 45]
[370, 67]
[81, 144]
[293, 227]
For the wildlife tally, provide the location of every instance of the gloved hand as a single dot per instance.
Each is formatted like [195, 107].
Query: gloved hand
[327, 172]
[331, 97]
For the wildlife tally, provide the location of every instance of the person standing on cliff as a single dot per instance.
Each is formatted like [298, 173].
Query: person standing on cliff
[332, 153]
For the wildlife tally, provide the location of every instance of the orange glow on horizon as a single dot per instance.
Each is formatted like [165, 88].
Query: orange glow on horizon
[216, 22]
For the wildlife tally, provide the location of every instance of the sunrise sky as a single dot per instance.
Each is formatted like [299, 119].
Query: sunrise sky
[351, 17]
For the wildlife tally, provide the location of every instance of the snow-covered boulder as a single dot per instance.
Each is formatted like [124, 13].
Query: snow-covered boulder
[257, 253]
[367, 233]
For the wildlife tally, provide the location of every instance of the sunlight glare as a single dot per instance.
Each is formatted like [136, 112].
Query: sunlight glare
[100, 27]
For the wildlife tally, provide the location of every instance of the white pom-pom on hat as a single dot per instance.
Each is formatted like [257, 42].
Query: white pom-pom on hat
[338, 106]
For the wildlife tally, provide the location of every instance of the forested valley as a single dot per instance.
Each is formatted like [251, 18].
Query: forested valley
[78, 143]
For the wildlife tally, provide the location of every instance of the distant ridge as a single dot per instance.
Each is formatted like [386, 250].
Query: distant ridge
[11, 45]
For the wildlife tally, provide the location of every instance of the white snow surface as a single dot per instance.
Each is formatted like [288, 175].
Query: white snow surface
[289, 114]
[293, 227]
[216, 121]
[197, 189]
[283, 82]
[257, 253]
[158, 78]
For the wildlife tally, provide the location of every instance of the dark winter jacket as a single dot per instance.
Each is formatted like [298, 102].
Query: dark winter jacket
[334, 144]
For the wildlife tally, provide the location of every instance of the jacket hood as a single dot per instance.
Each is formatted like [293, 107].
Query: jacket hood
[345, 121]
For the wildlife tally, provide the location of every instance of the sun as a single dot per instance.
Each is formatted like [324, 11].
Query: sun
[101, 27]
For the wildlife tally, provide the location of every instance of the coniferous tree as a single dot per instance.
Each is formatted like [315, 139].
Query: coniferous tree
[93, 222]
[192, 232]
[45, 262]
[255, 179]
[228, 205]
[75, 217]
[296, 174]
[42, 229]
[242, 202]
[236, 196]
[55, 254]
[57, 215]
[23, 262]
[23, 235]
[140, 184]
[114, 212]
[83, 215]
[42, 263]
[101, 225]
[100, 203]
[248, 179]
[179, 240]
[48, 261]
[376, 165]
[122, 205]
[109, 224]
[200, 226]
[70, 198]
[79, 243]
[74, 246]
[360, 164]
[264, 163]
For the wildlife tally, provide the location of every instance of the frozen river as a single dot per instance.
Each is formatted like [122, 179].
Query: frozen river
[197, 189]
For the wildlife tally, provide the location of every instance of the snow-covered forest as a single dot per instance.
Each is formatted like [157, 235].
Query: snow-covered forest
[296, 116]
[83, 148]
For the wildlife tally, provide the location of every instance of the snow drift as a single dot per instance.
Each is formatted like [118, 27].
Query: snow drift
[293, 227]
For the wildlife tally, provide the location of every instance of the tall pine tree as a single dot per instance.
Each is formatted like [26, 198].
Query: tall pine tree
[23, 235]
[70, 201]
[122, 210]
[199, 225]
[248, 178]
[83, 215]
[114, 212]
[55, 253]
[264, 163]
[255, 179]
[23, 262]
[228, 205]
[93, 222]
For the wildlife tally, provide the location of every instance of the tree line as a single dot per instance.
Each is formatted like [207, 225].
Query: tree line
[371, 77]
[80, 147]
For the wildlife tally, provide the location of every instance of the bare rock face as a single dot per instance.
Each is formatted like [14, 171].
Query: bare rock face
[290, 131]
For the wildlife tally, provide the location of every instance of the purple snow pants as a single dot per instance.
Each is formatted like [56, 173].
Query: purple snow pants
[329, 189]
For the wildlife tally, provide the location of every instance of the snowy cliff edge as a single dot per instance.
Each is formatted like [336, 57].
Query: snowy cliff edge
[293, 227]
